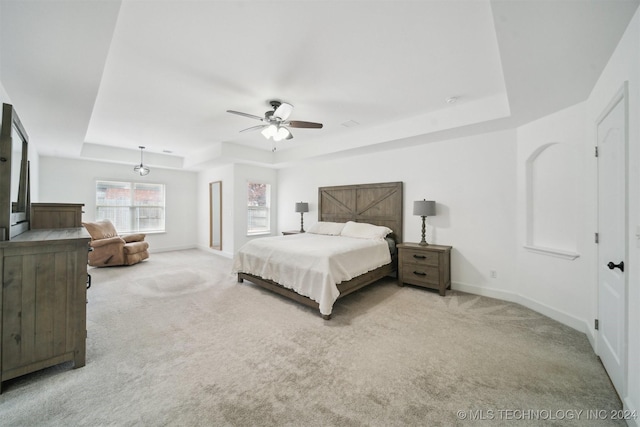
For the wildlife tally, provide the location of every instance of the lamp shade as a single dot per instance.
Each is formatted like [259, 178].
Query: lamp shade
[424, 207]
[141, 170]
[282, 133]
[302, 207]
[269, 131]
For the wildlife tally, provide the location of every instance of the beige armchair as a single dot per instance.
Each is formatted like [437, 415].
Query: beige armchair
[110, 249]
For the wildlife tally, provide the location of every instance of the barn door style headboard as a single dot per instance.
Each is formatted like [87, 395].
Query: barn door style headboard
[378, 204]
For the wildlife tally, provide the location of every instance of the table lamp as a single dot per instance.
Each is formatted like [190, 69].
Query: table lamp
[424, 208]
[302, 207]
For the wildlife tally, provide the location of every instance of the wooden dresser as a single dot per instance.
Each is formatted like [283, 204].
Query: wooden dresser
[43, 300]
[427, 266]
[56, 215]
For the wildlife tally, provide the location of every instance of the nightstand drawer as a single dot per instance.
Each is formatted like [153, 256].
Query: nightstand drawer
[420, 257]
[417, 274]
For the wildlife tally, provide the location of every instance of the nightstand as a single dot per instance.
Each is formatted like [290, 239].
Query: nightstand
[286, 233]
[427, 266]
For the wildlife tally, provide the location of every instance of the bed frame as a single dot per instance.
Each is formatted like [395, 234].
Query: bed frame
[378, 204]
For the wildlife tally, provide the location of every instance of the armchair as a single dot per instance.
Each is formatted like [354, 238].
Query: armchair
[110, 249]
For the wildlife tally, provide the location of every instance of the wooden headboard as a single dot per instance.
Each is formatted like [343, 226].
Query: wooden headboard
[378, 204]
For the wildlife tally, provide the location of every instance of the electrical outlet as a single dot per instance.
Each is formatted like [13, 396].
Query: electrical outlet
[493, 274]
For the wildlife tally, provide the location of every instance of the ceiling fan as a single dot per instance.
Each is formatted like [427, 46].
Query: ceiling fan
[275, 122]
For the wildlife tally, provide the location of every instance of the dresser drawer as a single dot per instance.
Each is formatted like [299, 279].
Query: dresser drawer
[417, 257]
[421, 275]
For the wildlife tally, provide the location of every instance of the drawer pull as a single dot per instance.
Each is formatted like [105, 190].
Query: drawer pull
[419, 256]
[419, 273]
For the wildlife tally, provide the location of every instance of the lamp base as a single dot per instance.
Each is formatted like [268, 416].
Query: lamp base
[423, 242]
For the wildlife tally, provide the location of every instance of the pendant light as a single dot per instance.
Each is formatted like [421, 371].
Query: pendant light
[141, 169]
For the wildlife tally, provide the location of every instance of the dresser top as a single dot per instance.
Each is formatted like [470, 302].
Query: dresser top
[48, 235]
[57, 205]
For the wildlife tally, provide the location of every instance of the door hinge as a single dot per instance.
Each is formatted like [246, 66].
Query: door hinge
[597, 238]
[596, 152]
[596, 325]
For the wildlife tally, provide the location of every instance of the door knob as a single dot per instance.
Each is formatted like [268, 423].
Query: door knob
[612, 266]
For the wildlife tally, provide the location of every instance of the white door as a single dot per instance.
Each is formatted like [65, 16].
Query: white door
[612, 216]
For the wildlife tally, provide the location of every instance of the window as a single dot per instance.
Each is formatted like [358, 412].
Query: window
[258, 203]
[131, 206]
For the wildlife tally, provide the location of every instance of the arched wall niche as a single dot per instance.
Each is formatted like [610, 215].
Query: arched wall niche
[550, 208]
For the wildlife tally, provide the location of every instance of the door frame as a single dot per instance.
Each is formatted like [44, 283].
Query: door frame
[622, 95]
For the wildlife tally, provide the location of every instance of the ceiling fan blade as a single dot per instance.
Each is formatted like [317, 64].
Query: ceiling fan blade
[299, 124]
[251, 116]
[283, 111]
[254, 128]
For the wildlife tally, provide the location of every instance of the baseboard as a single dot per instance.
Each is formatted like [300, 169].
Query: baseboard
[591, 335]
[558, 315]
[169, 249]
[630, 408]
[215, 251]
[181, 248]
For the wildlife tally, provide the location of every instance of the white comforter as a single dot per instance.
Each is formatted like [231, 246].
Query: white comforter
[311, 264]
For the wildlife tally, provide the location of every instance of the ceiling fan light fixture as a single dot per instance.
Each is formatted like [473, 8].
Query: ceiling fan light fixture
[276, 122]
[270, 131]
[276, 133]
[282, 133]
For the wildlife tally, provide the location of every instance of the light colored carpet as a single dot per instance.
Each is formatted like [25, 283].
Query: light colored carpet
[177, 341]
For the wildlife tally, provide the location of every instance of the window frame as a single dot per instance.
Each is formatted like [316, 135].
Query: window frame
[134, 207]
[256, 208]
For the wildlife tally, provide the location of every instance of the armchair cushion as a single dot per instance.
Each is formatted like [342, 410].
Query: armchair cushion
[134, 237]
[135, 247]
[101, 229]
[107, 241]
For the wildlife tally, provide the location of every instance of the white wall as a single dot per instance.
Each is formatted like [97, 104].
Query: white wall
[624, 65]
[551, 200]
[243, 174]
[73, 181]
[4, 96]
[234, 201]
[472, 181]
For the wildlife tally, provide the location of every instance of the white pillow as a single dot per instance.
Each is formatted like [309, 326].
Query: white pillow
[363, 230]
[325, 227]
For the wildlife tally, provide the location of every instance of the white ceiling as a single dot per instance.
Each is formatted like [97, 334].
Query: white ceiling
[96, 79]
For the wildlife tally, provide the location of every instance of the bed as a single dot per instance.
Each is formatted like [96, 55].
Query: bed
[264, 261]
